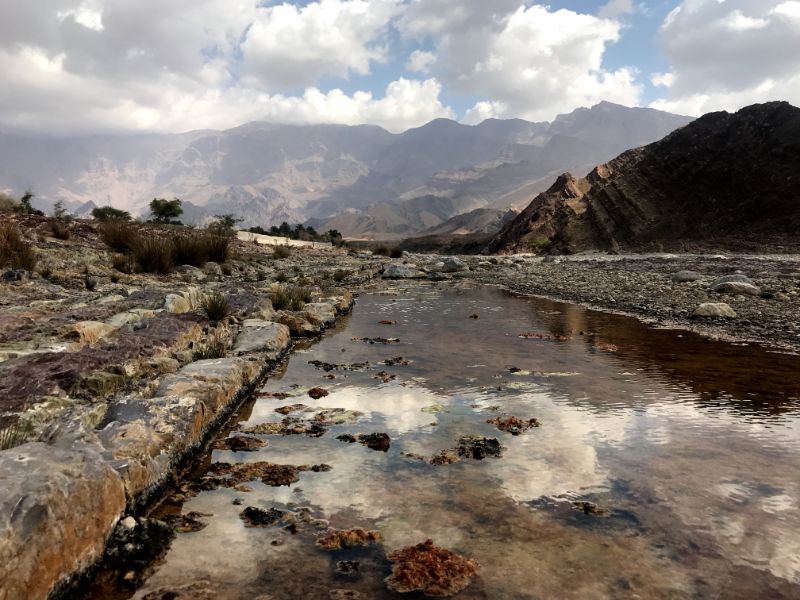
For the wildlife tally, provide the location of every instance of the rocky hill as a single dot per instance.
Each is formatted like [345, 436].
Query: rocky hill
[361, 180]
[725, 180]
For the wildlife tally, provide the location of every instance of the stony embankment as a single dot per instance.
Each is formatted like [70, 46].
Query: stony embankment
[110, 382]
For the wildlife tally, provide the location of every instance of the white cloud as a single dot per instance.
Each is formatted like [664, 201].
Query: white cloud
[420, 61]
[291, 46]
[725, 55]
[616, 8]
[530, 62]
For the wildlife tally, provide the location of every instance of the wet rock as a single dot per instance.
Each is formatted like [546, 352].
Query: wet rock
[377, 340]
[232, 475]
[375, 441]
[384, 376]
[433, 408]
[474, 316]
[130, 552]
[736, 288]
[243, 443]
[445, 457]
[320, 313]
[186, 523]
[398, 360]
[327, 367]
[285, 410]
[323, 468]
[258, 517]
[387, 322]
[453, 265]
[317, 393]
[589, 508]
[686, 276]
[261, 336]
[479, 447]
[346, 437]
[433, 570]
[348, 568]
[715, 309]
[339, 539]
[513, 425]
[298, 324]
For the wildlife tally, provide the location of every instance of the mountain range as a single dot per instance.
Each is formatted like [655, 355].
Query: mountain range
[724, 181]
[361, 180]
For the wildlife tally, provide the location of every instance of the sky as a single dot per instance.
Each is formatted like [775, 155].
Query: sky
[83, 67]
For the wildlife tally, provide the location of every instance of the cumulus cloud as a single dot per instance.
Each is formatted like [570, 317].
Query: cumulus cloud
[87, 66]
[530, 62]
[420, 61]
[617, 8]
[288, 45]
[725, 55]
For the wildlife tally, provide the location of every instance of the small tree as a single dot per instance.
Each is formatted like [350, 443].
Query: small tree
[166, 211]
[224, 224]
[26, 206]
[59, 212]
[109, 213]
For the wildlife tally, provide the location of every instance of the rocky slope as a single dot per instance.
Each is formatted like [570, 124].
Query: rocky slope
[342, 177]
[725, 180]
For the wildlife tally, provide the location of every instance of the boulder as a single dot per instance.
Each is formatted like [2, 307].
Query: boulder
[736, 288]
[735, 278]
[192, 274]
[400, 271]
[261, 336]
[58, 505]
[686, 276]
[320, 313]
[91, 332]
[297, 323]
[715, 309]
[453, 265]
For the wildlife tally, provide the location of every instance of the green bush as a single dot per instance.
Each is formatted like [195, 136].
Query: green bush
[291, 298]
[109, 213]
[538, 245]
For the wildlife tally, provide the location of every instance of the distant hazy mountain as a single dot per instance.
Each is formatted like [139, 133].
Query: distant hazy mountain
[724, 181]
[361, 180]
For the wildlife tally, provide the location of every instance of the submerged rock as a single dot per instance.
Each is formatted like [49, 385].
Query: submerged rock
[243, 443]
[186, 523]
[258, 517]
[377, 340]
[327, 367]
[338, 539]
[376, 441]
[317, 393]
[347, 567]
[433, 570]
[479, 447]
[229, 475]
[513, 425]
[346, 437]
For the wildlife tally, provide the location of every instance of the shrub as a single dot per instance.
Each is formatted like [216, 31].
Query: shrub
[90, 282]
[14, 435]
[15, 252]
[538, 245]
[224, 225]
[109, 213]
[153, 253]
[26, 206]
[189, 250]
[114, 278]
[8, 204]
[281, 277]
[340, 275]
[46, 272]
[216, 306]
[281, 252]
[218, 248]
[118, 235]
[123, 263]
[212, 349]
[395, 253]
[381, 251]
[59, 229]
[291, 298]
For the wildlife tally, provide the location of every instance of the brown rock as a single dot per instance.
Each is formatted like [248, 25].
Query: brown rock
[430, 569]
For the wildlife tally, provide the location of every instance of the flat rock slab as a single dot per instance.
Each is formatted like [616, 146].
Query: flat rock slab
[57, 508]
[262, 336]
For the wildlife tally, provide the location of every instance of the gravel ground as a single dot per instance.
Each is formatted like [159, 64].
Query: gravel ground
[642, 286]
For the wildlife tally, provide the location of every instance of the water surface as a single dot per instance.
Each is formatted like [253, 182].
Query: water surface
[689, 449]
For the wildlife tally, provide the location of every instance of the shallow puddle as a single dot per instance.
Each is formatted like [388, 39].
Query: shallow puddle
[664, 465]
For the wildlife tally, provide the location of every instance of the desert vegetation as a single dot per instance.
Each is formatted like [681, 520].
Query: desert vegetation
[15, 252]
